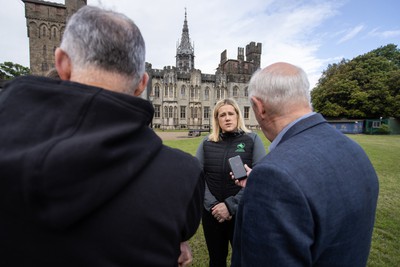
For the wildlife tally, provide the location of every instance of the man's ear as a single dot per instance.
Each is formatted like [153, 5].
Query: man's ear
[63, 64]
[258, 107]
[142, 85]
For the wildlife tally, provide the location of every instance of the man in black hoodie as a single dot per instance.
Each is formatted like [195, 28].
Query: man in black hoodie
[83, 180]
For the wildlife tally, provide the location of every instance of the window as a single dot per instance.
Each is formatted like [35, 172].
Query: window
[54, 33]
[183, 112]
[207, 94]
[206, 112]
[246, 91]
[157, 91]
[156, 111]
[183, 91]
[170, 112]
[246, 112]
[192, 92]
[43, 31]
[218, 93]
[235, 91]
[376, 124]
[165, 112]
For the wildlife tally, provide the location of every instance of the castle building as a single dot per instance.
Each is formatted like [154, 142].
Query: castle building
[183, 97]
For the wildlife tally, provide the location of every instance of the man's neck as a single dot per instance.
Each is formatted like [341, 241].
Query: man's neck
[275, 124]
[103, 79]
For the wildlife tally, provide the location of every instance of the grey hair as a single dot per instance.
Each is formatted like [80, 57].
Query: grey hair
[106, 40]
[279, 88]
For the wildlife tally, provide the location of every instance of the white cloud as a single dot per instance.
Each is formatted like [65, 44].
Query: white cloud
[289, 30]
[384, 34]
[351, 33]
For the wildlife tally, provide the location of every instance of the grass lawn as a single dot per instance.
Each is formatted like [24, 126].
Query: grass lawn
[384, 152]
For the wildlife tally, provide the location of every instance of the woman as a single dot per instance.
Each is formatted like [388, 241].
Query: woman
[229, 137]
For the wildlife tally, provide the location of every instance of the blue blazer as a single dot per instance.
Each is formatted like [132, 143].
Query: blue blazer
[310, 202]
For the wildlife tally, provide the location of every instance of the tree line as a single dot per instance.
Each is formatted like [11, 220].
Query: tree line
[368, 86]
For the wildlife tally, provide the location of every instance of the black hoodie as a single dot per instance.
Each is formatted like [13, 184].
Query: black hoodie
[85, 182]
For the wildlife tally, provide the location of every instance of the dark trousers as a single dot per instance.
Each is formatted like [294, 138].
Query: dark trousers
[217, 235]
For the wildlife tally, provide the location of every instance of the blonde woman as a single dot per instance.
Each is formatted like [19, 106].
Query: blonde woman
[229, 137]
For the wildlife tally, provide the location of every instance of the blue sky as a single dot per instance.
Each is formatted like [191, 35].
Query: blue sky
[309, 33]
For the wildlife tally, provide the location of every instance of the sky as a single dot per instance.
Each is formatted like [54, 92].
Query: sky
[308, 33]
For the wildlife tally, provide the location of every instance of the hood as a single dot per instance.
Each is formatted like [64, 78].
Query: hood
[67, 148]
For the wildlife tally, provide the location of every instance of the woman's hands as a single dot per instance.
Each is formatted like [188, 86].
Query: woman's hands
[221, 212]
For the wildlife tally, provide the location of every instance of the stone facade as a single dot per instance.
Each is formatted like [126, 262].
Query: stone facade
[183, 97]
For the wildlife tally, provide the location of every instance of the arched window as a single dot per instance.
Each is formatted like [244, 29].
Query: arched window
[192, 92]
[43, 31]
[246, 91]
[157, 91]
[207, 94]
[166, 90]
[165, 112]
[54, 33]
[235, 91]
[218, 93]
[171, 91]
[183, 91]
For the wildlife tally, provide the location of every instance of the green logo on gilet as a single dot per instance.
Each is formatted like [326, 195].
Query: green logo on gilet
[240, 147]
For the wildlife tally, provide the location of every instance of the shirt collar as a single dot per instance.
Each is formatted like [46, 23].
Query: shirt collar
[278, 138]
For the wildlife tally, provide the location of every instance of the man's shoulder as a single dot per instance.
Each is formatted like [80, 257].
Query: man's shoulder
[177, 156]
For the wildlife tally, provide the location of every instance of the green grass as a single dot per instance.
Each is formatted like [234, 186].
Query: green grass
[384, 153]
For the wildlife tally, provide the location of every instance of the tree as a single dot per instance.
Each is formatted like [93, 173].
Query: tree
[366, 86]
[9, 70]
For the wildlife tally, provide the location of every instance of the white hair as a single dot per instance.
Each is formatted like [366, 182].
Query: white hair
[279, 88]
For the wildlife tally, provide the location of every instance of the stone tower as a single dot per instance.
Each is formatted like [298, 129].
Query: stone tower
[184, 50]
[253, 54]
[45, 23]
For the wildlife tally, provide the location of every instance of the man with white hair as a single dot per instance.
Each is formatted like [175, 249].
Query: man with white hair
[311, 201]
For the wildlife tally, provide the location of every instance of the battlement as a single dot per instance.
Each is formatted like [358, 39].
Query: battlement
[253, 47]
[169, 68]
[253, 53]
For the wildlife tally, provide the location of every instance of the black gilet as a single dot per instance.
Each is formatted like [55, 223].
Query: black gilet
[216, 165]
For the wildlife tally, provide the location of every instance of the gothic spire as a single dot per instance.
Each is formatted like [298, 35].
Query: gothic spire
[185, 50]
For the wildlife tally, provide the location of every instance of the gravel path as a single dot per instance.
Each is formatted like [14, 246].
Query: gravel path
[172, 135]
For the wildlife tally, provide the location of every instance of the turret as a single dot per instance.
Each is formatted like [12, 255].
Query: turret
[184, 50]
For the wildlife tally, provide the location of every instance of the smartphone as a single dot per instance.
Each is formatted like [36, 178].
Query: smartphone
[237, 167]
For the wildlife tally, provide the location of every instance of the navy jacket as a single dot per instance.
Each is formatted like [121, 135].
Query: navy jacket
[310, 202]
[85, 182]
